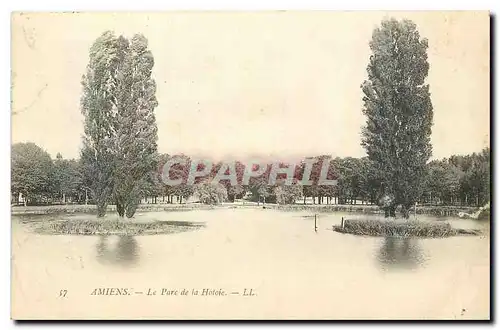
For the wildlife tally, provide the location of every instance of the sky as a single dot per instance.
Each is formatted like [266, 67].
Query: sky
[232, 85]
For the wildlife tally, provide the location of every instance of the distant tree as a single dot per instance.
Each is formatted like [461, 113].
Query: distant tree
[233, 192]
[288, 194]
[260, 188]
[399, 113]
[180, 171]
[443, 181]
[67, 178]
[370, 184]
[31, 170]
[209, 192]
[478, 178]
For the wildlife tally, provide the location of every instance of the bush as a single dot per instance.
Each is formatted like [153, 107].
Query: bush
[211, 193]
[288, 194]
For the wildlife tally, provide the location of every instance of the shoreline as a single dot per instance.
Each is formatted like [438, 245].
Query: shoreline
[324, 208]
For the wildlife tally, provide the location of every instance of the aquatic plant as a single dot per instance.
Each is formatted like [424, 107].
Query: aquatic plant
[396, 228]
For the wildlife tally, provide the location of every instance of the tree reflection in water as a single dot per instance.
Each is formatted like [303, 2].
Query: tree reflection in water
[400, 253]
[124, 253]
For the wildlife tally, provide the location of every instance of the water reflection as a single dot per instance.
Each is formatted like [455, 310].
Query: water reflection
[400, 253]
[125, 251]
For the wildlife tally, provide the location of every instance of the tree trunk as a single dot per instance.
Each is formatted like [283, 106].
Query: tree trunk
[101, 209]
[120, 208]
[405, 211]
[304, 200]
[390, 211]
[130, 211]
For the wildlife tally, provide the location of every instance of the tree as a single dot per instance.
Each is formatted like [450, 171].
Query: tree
[478, 178]
[66, 178]
[120, 142]
[136, 131]
[443, 181]
[288, 194]
[211, 193]
[399, 113]
[99, 108]
[180, 171]
[260, 189]
[31, 171]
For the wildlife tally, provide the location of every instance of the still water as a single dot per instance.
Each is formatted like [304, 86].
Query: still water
[294, 271]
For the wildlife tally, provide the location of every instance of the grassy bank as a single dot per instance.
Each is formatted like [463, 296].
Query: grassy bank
[91, 209]
[368, 209]
[398, 228]
[374, 209]
[113, 227]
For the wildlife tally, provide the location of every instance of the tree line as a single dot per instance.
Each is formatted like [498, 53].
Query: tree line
[457, 180]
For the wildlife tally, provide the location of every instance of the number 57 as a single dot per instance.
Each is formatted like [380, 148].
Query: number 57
[63, 293]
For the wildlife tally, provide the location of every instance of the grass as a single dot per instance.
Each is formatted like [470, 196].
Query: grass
[404, 229]
[113, 227]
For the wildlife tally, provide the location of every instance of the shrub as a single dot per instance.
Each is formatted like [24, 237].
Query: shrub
[211, 193]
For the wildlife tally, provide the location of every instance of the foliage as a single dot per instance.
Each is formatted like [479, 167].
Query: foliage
[113, 227]
[99, 108]
[398, 108]
[31, 171]
[67, 178]
[405, 229]
[136, 130]
[288, 194]
[119, 153]
[211, 193]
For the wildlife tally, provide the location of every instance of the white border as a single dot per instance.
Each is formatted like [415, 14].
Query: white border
[6, 7]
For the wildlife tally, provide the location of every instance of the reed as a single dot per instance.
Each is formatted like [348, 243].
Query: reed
[113, 227]
[404, 228]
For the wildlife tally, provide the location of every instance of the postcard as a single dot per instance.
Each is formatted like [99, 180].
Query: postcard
[273, 165]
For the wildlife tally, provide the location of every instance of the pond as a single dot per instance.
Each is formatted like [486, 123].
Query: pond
[293, 271]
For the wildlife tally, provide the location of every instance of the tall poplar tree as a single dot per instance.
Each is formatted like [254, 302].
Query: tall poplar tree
[120, 140]
[137, 133]
[99, 108]
[398, 111]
